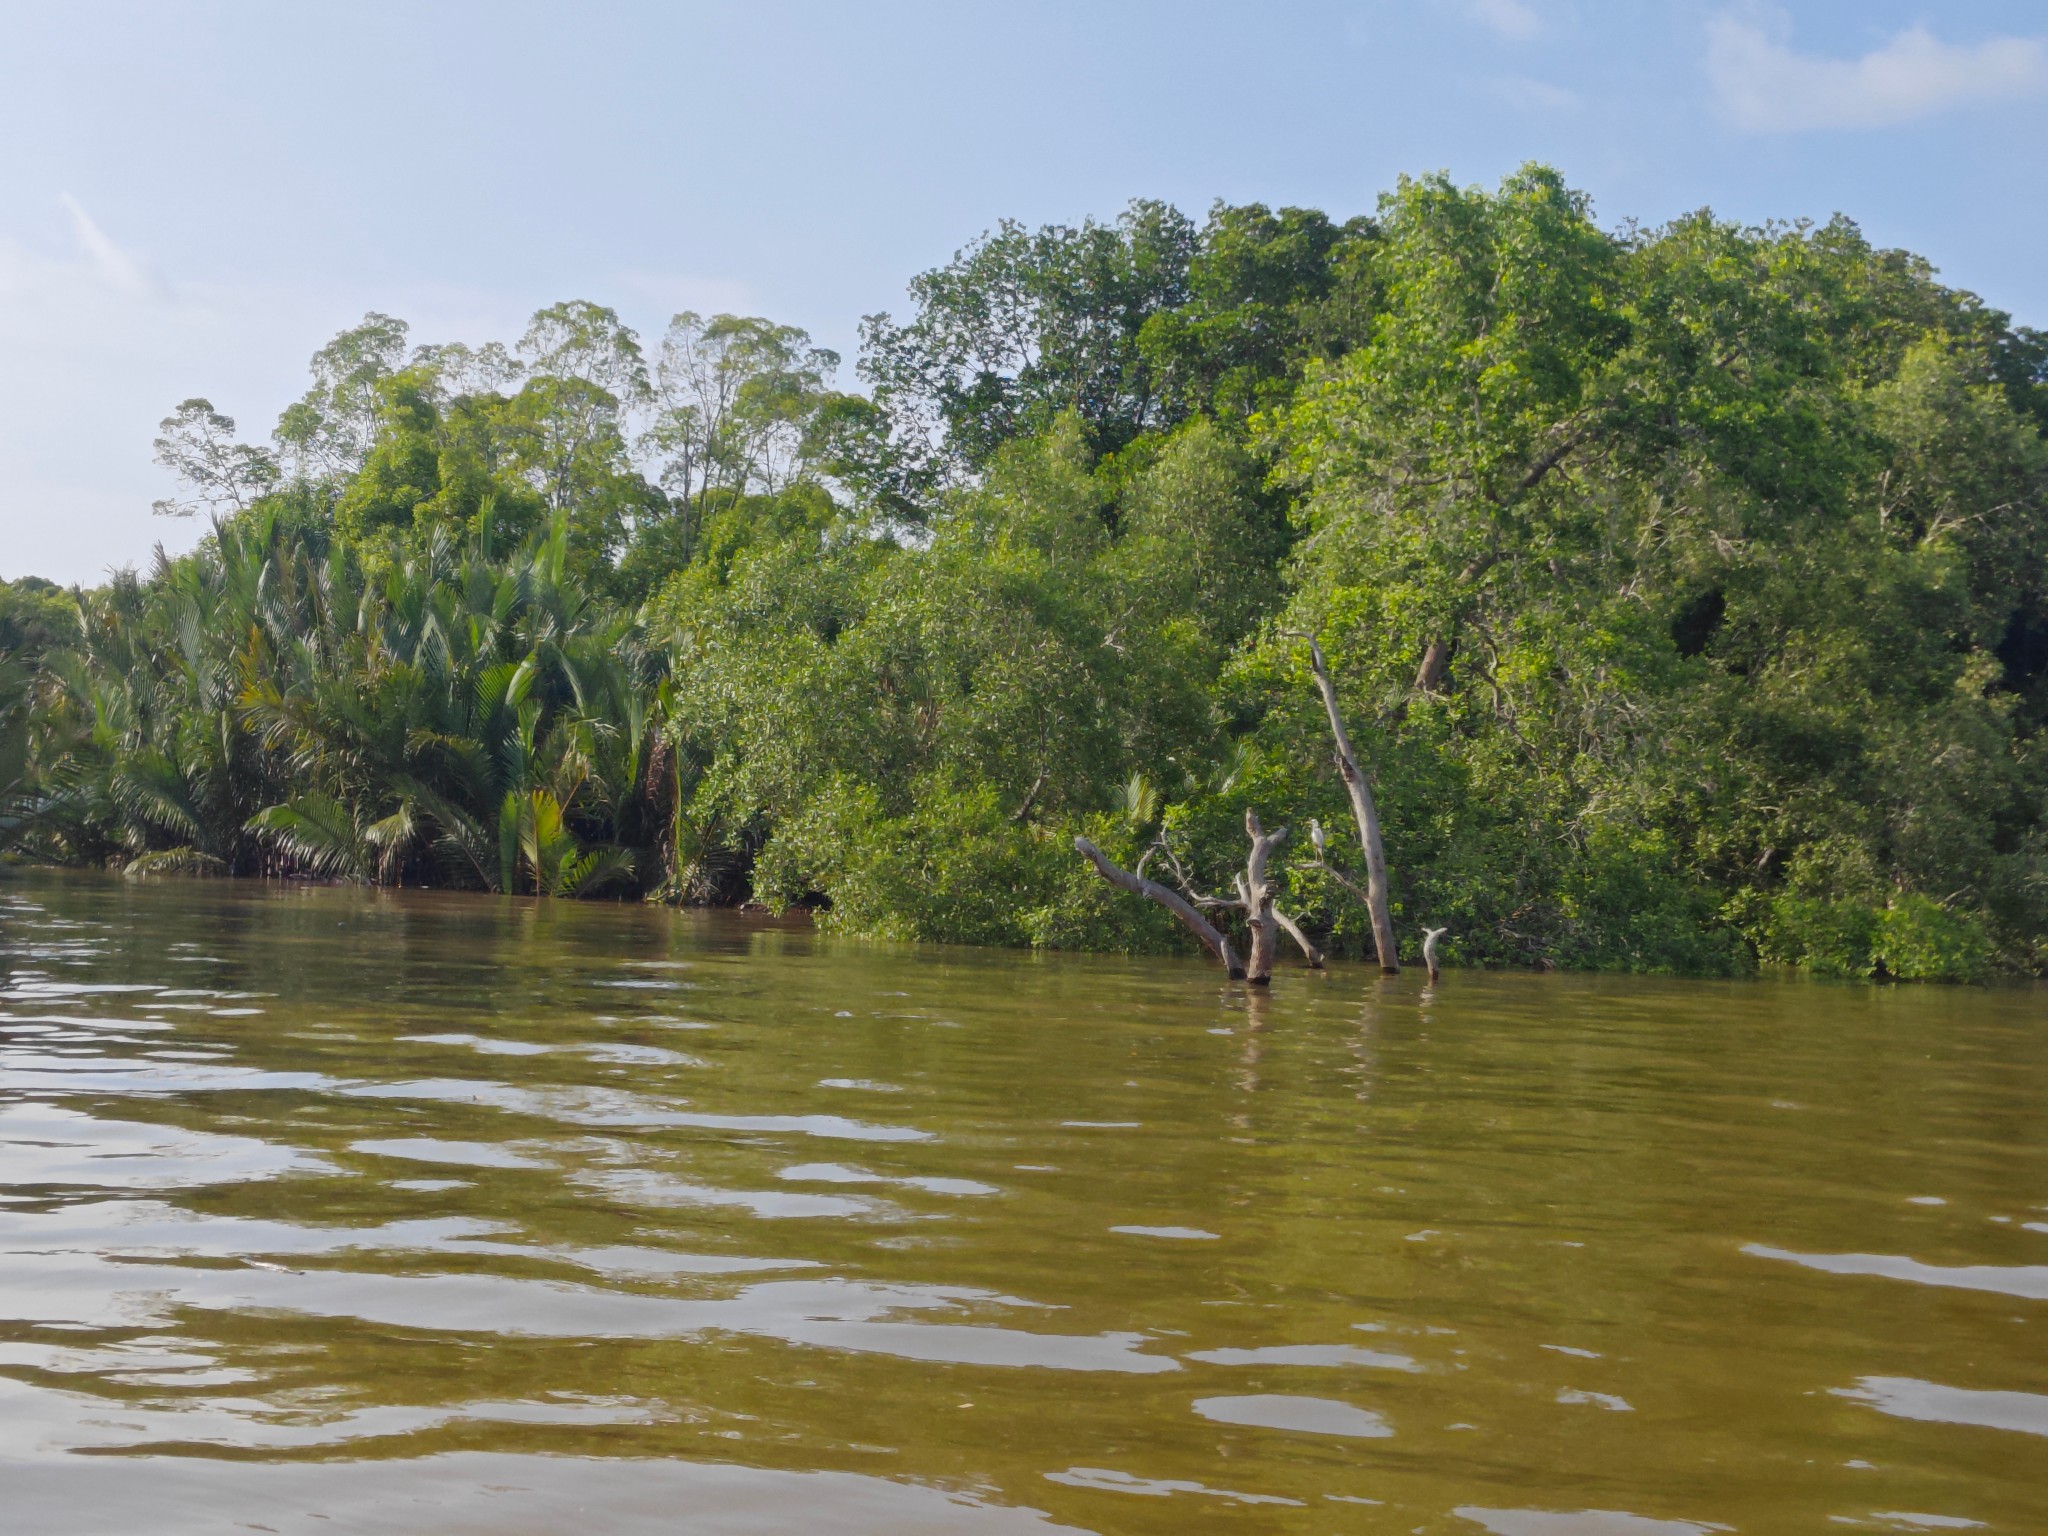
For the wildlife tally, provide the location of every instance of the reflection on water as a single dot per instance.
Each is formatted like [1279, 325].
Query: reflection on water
[2026, 1412]
[2028, 1280]
[324, 1210]
[1585, 1522]
[1305, 1415]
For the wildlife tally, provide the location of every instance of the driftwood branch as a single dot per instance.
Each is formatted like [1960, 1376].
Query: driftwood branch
[1336, 874]
[1212, 937]
[1309, 952]
[1180, 877]
[1363, 811]
[1254, 898]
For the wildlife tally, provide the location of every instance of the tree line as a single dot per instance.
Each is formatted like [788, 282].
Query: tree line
[1684, 591]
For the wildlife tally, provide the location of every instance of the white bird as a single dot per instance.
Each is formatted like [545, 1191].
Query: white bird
[1315, 835]
[1429, 938]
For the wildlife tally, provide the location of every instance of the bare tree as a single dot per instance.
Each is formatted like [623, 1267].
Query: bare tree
[1367, 816]
[1255, 898]
[1309, 952]
[1263, 920]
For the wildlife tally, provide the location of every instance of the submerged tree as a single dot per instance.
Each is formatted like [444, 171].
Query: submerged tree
[1255, 893]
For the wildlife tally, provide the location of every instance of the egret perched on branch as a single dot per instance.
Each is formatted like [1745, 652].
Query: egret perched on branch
[1315, 835]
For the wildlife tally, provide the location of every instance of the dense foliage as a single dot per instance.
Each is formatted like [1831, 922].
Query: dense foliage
[1687, 590]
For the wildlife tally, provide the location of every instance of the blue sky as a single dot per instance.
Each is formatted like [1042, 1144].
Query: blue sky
[193, 196]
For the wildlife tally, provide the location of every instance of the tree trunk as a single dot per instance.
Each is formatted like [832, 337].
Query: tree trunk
[1212, 937]
[1367, 816]
[1436, 657]
[1436, 661]
[1429, 938]
[1256, 892]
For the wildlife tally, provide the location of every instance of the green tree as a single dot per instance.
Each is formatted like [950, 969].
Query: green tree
[1685, 591]
[327, 433]
[1024, 325]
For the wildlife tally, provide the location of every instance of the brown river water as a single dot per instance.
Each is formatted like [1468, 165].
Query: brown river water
[325, 1211]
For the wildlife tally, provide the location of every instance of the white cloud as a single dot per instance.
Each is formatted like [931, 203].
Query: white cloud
[1535, 95]
[124, 273]
[1510, 18]
[1767, 87]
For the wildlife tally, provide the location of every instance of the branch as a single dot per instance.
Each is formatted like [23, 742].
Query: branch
[1341, 878]
[1263, 844]
[1547, 463]
[1030, 798]
[1347, 760]
[1436, 656]
[1309, 952]
[1544, 464]
[1211, 936]
[1180, 875]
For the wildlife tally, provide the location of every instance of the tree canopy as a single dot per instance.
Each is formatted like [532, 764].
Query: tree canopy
[1686, 588]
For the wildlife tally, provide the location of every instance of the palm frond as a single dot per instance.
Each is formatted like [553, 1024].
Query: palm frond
[319, 834]
[595, 869]
[173, 861]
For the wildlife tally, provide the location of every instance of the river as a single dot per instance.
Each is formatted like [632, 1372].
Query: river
[334, 1211]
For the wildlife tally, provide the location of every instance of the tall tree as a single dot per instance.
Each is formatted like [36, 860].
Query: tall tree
[327, 433]
[197, 444]
[1023, 325]
[735, 399]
